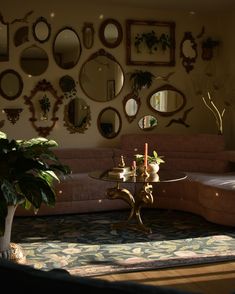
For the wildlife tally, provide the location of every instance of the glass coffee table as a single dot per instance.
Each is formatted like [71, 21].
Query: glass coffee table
[140, 198]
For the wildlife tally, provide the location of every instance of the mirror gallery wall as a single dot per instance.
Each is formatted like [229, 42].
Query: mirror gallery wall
[46, 45]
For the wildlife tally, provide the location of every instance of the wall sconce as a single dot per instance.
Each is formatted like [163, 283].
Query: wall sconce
[13, 114]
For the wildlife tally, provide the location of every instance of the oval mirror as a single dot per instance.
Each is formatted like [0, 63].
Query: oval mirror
[109, 122]
[41, 30]
[67, 48]
[11, 84]
[88, 35]
[110, 33]
[21, 36]
[4, 40]
[77, 115]
[101, 77]
[166, 100]
[34, 60]
[147, 122]
[131, 106]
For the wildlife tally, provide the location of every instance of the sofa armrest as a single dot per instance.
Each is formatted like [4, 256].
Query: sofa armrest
[230, 155]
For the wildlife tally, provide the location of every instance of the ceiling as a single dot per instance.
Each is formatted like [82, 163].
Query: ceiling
[186, 5]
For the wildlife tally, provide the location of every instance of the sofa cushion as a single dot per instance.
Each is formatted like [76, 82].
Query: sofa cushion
[86, 159]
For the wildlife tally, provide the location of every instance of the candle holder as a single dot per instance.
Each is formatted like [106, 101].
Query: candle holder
[145, 173]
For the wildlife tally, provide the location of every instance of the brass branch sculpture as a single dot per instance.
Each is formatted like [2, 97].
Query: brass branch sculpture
[217, 114]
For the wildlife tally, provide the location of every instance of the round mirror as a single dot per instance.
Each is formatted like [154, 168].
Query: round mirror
[109, 122]
[11, 84]
[77, 115]
[131, 106]
[34, 61]
[101, 77]
[41, 30]
[166, 100]
[67, 48]
[88, 35]
[110, 33]
[147, 122]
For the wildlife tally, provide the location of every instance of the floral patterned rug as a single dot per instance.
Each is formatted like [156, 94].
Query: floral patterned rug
[86, 244]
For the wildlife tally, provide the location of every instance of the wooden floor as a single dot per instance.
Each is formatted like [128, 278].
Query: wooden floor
[216, 278]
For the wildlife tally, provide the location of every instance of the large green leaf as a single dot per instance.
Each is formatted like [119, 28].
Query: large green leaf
[9, 192]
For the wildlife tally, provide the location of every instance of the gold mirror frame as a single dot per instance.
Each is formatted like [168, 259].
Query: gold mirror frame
[187, 59]
[103, 39]
[43, 86]
[165, 88]
[70, 126]
[101, 129]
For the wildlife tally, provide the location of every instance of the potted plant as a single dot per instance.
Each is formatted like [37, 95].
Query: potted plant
[28, 171]
[154, 162]
[141, 79]
[207, 48]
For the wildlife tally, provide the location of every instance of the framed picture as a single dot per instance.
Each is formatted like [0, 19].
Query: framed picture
[150, 43]
[110, 89]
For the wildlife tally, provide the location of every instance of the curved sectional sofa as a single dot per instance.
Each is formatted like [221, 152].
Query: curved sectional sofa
[208, 190]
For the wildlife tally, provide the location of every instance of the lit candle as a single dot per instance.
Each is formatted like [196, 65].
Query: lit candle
[146, 154]
[134, 164]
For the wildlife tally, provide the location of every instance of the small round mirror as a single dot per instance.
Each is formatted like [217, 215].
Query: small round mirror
[67, 48]
[147, 122]
[34, 60]
[109, 122]
[111, 33]
[11, 84]
[166, 100]
[41, 30]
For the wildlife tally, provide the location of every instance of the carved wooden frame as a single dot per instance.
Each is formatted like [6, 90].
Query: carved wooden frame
[43, 86]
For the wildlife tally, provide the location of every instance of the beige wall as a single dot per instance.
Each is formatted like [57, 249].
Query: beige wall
[74, 14]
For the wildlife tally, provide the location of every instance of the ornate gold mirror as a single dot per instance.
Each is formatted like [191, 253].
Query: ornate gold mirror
[34, 60]
[110, 33]
[101, 77]
[67, 48]
[77, 115]
[131, 105]
[4, 40]
[88, 35]
[147, 122]
[43, 104]
[188, 51]
[41, 30]
[11, 84]
[21, 36]
[109, 122]
[166, 100]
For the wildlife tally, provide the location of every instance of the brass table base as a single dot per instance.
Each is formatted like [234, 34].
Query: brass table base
[136, 202]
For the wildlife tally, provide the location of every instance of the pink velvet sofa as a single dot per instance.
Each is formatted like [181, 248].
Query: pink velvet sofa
[208, 190]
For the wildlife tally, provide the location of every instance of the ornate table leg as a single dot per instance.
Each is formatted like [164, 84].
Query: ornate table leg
[142, 198]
